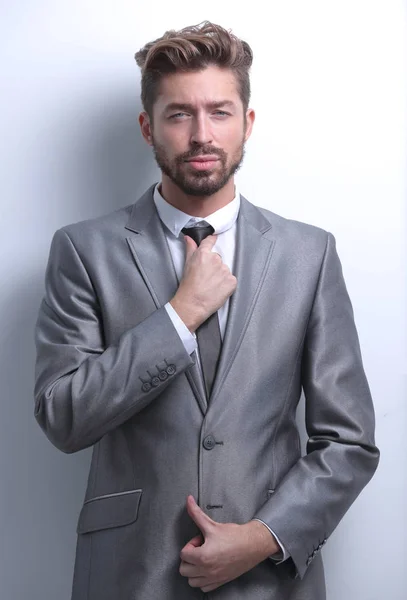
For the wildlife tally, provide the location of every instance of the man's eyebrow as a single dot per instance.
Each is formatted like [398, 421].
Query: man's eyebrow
[190, 107]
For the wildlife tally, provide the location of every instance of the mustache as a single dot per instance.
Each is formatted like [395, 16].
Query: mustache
[204, 150]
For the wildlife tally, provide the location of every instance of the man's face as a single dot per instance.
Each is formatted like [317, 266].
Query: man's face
[199, 115]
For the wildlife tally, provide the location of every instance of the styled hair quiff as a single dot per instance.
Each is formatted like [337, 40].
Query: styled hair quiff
[193, 48]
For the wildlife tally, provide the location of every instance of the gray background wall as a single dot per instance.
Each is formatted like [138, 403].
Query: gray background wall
[329, 87]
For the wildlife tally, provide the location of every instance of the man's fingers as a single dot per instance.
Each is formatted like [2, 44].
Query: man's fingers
[188, 570]
[190, 246]
[209, 241]
[196, 541]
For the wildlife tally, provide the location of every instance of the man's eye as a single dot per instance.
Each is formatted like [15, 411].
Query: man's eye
[178, 115]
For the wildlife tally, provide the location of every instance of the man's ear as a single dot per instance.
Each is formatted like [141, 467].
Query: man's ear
[250, 117]
[145, 126]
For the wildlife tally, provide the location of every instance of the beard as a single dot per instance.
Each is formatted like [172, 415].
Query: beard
[199, 183]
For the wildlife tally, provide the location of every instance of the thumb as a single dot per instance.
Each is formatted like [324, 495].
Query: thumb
[190, 246]
[200, 518]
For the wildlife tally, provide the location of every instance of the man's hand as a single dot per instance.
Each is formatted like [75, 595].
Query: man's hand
[224, 550]
[206, 284]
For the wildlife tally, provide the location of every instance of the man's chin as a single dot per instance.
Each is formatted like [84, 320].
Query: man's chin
[203, 185]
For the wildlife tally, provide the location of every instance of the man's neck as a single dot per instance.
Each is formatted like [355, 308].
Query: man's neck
[197, 206]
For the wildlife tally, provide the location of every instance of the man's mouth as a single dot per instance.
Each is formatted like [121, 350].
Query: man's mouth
[203, 162]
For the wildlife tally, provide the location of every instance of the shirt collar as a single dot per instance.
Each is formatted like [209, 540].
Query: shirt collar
[175, 219]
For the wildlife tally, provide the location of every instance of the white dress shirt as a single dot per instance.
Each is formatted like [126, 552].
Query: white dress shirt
[224, 223]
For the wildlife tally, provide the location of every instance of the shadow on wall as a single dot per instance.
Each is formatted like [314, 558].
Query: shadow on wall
[95, 161]
[101, 158]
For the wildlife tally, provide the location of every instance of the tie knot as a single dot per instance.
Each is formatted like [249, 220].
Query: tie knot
[198, 233]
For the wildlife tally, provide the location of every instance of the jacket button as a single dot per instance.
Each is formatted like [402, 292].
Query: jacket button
[155, 381]
[170, 369]
[163, 375]
[146, 387]
[209, 442]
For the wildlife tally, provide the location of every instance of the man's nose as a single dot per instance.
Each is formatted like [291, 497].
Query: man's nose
[201, 133]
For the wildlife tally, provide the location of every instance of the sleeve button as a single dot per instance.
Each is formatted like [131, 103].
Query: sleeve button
[171, 369]
[146, 387]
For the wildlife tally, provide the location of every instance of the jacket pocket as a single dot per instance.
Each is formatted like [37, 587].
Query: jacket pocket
[110, 510]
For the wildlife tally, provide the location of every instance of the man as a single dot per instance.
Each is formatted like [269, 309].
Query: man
[175, 337]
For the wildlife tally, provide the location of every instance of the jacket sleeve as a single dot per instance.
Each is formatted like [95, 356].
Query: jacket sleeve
[82, 388]
[341, 454]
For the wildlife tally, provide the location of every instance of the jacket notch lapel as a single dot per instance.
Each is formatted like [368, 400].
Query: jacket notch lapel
[151, 253]
[252, 256]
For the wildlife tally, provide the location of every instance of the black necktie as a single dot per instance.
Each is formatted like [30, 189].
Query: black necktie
[208, 333]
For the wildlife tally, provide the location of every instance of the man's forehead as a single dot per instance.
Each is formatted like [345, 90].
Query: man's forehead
[212, 74]
[199, 87]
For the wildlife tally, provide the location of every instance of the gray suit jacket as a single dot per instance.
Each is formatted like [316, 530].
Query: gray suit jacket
[112, 373]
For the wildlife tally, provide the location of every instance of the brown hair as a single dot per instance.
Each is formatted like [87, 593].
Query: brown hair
[192, 49]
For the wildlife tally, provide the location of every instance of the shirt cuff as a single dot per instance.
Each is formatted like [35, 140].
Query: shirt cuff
[278, 557]
[187, 337]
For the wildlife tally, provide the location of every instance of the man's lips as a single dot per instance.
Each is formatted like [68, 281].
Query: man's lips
[203, 158]
[203, 162]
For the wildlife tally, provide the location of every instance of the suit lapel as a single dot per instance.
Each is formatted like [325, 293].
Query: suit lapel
[151, 253]
[252, 255]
